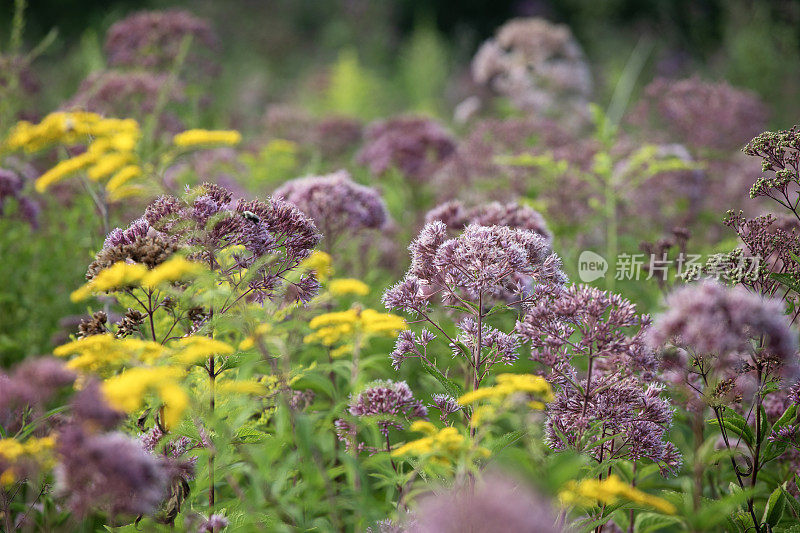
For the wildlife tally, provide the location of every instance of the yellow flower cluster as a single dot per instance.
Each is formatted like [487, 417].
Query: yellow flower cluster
[344, 286]
[320, 263]
[122, 274]
[344, 326]
[440, 446]
[103, 353]
[191, 138]
[127, 391]
[110, 148]
[260, 331]
[196, 348]
[12, 451]
[98, 353]
[509, 385]
[609, 491]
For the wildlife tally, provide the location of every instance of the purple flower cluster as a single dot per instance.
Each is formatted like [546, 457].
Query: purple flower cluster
[456, 216]
[497, 346]
[683, 106]
[336, 203]
[482, 262]
[153, 39]
[446, 405]
[780, 155]
[600, 319]
[711, 320]
[617, 395]
[496, 504]
[275, 235]
[27, 390]
[416, 146]
[388, 402]
[131, 94]
[108, 471]
[12, 187]
[410, 345]
[536, 64]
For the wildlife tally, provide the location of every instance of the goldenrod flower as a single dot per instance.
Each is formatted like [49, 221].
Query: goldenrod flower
[127, 390]
[38, 450]
[438, 446]
[117, 276]
[260, 331]
[343, 286]
[196, 348]
[342, 326]
[319, 262]
[175, 269]
[122, 176]
[509, 385]
[108, 164]
[609, 491]
[191, 138]
[63, 169]
[99, 352]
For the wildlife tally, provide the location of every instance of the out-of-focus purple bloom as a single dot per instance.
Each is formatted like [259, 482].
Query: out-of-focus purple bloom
[12, 187]
[108, 471]
[536, 64]
[89, 407]
[129, 95]
[414, 145]
[683, 106]
[496, 504]
[336, 203]
[153, 39]
[710, 319]
[27, 390]
[214, 524]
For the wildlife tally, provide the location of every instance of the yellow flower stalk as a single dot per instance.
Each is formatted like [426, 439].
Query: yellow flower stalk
[127, 390]
[260, 331]
[123, 176]
[38, 450]
[342, 326]
[117, 276]
[509, 385]
[108, 164]
[441, 446]
[319, 262]
[98, 353]
[175, 269]
[344, 286]
[190, 350]
[62, 170]
[609, 491]
[199, 137]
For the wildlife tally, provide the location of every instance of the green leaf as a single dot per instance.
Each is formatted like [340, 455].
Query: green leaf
[775, 506]
[647, 522]
[453, 389]
[736, 424]
[787, 280]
